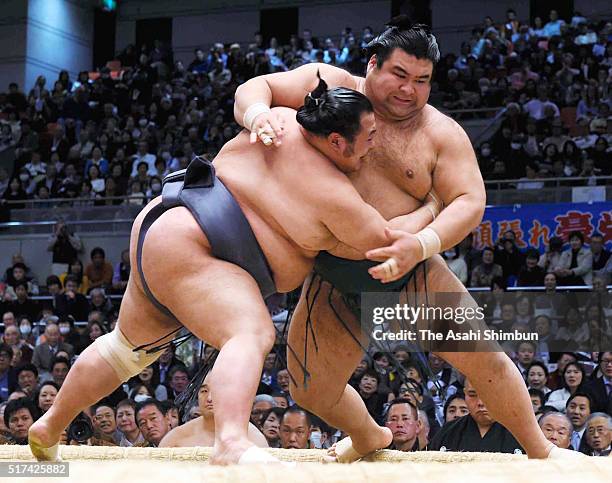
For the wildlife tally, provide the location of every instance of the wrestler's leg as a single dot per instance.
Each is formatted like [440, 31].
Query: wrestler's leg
[327, 393]
[91, 378]
[221, 304]
[497, 380]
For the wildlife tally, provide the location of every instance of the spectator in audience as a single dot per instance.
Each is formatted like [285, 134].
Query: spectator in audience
[578, 409]
[143, 155]
[550, 260]
[261, 405]
[574, 331]
[600, 388]
[537, 399]
[573, 377]
[600, 254]
[45, 396]
[295, 429]
[99, 271]
[45, 353]
[59, 369]
[179, 379]
[531, 275]
[525, 352]
[455, 407]
[19, 415]
[65, 246]
[368, 390]
[484, 273]
[27, 378]
[8, 376]
[23, 305]
[599, 434]
[557, 428]
[93, 330]
[403, 420]
[456, 263]
[151, 421]
[555, 378]
[537, 375]
[98, 302]
[121, 274]
[12, 338]
[508, 256]
[104, 420]
[71, 303]
[271, 426]
[477, 431]
[75, 268]
[576, 264]
[126, 424]
[166, 361]
[150, 376]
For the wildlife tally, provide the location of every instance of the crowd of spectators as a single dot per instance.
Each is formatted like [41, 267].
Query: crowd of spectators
[119, 132]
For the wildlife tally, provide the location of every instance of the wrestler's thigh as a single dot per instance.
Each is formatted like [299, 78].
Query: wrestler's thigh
[214, 299]
[445, 290]
[333, 358]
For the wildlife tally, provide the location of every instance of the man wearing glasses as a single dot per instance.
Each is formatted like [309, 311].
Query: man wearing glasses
[600, 389]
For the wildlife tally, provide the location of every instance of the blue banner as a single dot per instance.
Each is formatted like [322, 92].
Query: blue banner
[534, 225]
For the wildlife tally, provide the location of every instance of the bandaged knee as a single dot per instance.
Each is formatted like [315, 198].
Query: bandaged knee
[119, 353]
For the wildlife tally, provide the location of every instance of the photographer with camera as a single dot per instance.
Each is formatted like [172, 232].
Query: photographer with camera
[65, 246]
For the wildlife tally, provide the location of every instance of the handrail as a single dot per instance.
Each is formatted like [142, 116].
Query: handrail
[9, 224]
[547, 180]
[72, 200]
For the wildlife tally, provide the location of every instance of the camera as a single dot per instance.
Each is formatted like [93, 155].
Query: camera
[80, 429]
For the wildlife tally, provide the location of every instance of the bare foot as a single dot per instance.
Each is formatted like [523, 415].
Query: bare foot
[43, 445]
[556, 453]
[229, 453]
[348, 451]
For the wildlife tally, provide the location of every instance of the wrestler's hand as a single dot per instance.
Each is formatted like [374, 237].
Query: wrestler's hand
[268, 128]
[405, 248]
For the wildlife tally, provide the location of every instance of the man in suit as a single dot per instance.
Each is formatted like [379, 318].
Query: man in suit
[578, 409]
[8, 378]
[599, 434]
[600, 388]
[45, 353]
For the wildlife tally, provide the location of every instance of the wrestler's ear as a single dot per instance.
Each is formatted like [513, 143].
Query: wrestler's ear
[372, 63]
[336, 141]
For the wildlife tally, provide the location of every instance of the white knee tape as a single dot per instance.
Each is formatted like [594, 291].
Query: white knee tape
[119, 353]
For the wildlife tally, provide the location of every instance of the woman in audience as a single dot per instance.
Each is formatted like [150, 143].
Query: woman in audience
[572, 378]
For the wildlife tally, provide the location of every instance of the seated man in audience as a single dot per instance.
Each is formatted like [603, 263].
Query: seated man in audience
[59, 370]
[27, 379]
[423, 437]
[476, 431]
[99, 271]
[179, 379]
[19, 415]
[8, 377]
[600, 388]
[45, 353]
[71, 302]
[295, 428]
[599, 434]
[557, 428]
[403, 421]
[201, 430]
[578, 409]
[105, 422]
[151, 421]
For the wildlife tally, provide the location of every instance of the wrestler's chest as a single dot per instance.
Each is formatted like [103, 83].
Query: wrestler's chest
[396, 168]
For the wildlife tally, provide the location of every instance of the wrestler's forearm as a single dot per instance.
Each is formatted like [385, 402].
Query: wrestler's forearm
[412, 222]
[253, 91]
[458, 219]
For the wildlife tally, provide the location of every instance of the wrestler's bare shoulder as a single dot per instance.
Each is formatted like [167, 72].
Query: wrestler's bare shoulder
[189, 434]
[440, 128]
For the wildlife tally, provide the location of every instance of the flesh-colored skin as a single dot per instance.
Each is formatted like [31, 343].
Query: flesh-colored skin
[297, 203]
[417, 148]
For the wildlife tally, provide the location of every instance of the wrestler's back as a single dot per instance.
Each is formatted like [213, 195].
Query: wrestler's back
[275, 188]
